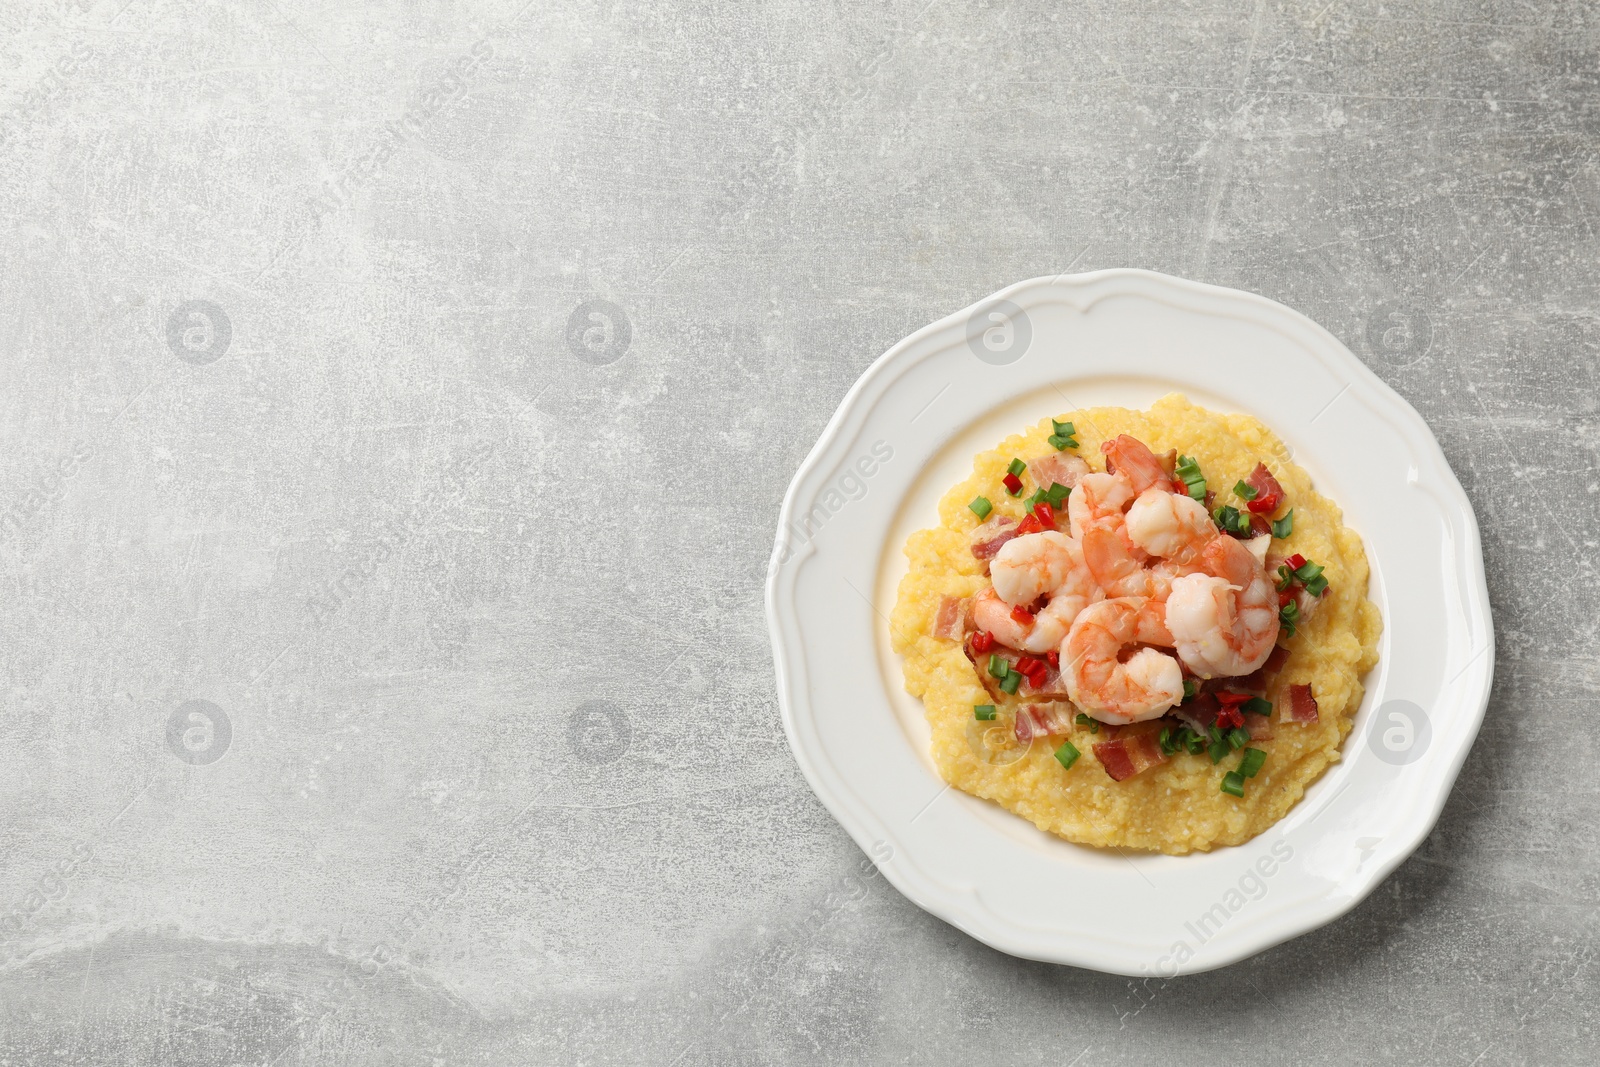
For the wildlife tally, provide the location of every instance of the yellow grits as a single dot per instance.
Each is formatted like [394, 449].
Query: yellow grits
[1176, 807]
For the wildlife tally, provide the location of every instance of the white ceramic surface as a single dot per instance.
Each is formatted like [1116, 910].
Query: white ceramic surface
[907, 431]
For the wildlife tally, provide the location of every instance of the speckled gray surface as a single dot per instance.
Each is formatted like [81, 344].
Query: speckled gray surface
[414, 388]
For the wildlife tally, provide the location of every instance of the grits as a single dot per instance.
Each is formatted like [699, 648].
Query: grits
[1175, 807]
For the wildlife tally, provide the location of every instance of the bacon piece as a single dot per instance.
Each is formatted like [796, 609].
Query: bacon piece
[1260, 727]
[980, 660]
[1061, 468]
[1052, 688]
[1200, 713]
[1302, 705]
[954, 618]
[988, 538]
[1129, 754]
[1042, 720]
[1269, 494]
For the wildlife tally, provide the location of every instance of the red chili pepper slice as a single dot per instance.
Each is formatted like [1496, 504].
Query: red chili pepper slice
[982, 641]
[1228, 700]
[1054, 658]
[1029, 524]
[1012, 483]
[1296, 561]
[1284, 597]
[1022, 615]
[1045, 514]
[1230, 717]
[1180, 487]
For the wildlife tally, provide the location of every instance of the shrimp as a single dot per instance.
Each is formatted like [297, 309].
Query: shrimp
[1105, 685]
[1116, 565]
[1132, 458]
[1224, 616]
[1044, 634]
[1098, 499]
[1028, 567]
[1168, 525]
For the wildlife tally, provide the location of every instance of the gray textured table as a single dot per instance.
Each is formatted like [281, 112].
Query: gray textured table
[396, 409]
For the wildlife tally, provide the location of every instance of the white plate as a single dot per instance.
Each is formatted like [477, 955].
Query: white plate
[908, 430]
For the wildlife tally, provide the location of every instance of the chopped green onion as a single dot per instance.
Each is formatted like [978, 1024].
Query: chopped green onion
[1063, 438]
[983, 711]
[1067, 755]
[1250, 763]
[1194, 744]
[981, 507]
[1038, 495]
[1164, 739]
[1010, 682]
[1219, 749]
[1058, 494]
[1214, 733]
[1084, 720]
[1317, 585]
[1017, 467]
[1284, 526]
[1238, 737]
[1243, 491]
[1188, 472]
[1233, 784]
[1309, 571]
[1288, 615]
[1190, 688]
[1231, 519]
[1285, 577]
[998, 667]
[1256, 706]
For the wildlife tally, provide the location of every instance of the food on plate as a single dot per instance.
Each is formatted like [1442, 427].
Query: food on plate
[1138, 629]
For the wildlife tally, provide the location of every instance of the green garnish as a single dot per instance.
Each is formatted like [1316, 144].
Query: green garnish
[1214, 732]
[1256, 706]
[998, 667]
[1063, 438]
[1067, 755]
[1194, 744]
[1229, 518]
[1057, 494]
[1084, 720]
[1188, 472]
[1284, 526]
[1038, 496]
[1164, 739]
[1190, 688]
[1250, 764]
[1238, 737]
[1288, 615]
[983, 711]
[1219, 749]
[1010, 682]
[981, 507]
[1233, 784]
[1017, 467]
[1244, 492]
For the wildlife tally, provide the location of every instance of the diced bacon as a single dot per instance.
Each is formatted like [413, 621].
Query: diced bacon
[1302, 705]
[1308, 604]
[1060, 468]
[1200, 713]
[1128, 755]
[1269, 494]
[954, 618]
[1051, 686]
[988, 538]
[1042, 720]
[1260, 727]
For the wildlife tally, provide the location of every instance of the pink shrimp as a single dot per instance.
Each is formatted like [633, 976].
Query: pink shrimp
[1223, 617]
[1028, 567]
[1132, 458]
[1098, 499]
[1169, 525]
[1044, 634]
[1104, 679]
